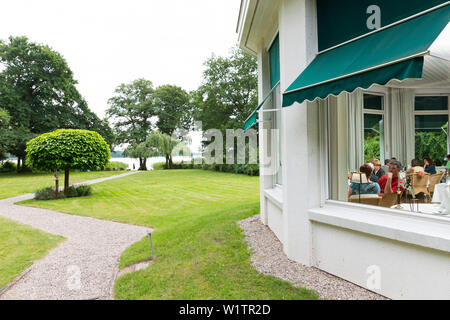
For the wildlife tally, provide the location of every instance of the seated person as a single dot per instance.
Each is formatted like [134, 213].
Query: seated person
[389, 182]
[378, 172]
[416, 167]
[385, 167]
[364, 188]
[429, 166]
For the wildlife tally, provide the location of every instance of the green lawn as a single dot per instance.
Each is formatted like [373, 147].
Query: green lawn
[200, 249]
[20, 245]
[15, 184]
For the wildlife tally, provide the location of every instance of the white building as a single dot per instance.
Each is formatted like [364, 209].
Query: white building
[332, 76]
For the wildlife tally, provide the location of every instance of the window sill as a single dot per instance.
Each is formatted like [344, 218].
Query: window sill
[426, 231]
[275, 195]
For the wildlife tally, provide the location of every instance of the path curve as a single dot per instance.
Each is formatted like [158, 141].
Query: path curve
[82, 267]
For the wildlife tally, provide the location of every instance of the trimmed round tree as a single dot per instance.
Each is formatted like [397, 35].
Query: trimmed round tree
[66, 149]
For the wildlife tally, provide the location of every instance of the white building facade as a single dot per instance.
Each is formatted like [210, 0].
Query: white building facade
[331, 76]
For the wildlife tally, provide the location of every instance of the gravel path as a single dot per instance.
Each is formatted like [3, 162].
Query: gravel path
[268, 258]
[82, 267]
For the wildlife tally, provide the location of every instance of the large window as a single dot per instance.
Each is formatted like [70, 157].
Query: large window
[373, 126]
[431, 128]
[413, 123]
[274, 61]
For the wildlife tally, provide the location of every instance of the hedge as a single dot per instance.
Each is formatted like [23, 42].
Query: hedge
[248, 169]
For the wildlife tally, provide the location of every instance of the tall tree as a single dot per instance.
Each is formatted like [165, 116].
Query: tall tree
[39, 91]
[172, 109]
[4, 118]
[164, 144]
[16, 142]
[228, 93]
[131, 110]
[39, 86]
[4, 121]
[140, 151]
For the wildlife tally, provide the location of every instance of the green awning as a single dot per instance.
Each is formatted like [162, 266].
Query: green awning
[392, 53]
[252, 118]
[250, 122]
[274, 62]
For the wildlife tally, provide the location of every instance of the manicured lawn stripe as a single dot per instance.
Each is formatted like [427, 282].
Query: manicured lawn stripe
[20, 245]
[15, 184]
[201, 252]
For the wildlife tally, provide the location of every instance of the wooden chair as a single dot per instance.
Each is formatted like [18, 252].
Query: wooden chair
[388, 200]
[419, 183]
[434, 180]
[370, 199]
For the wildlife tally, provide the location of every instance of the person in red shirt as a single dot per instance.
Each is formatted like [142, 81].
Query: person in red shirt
[389, 182]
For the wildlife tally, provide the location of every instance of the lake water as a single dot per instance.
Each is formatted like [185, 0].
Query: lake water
[150, 161]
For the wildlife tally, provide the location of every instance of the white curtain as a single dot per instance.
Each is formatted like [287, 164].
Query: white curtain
[338, 146]
[355, 130]
[402, 125]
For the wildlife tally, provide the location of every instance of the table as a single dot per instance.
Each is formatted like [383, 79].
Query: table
[438, 189]
[427, 208]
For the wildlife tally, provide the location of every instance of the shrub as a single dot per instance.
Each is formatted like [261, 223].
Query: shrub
[84, 191]
[161, 165]
[248, 169]
[8, 166]
[116, 165]
[158, 165]
[47, 194]
[184, 165]
[176, 165]
[73, 192]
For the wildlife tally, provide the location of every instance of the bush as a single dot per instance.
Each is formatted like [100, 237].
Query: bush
[84, 191]
[80, 191]
[161, 165]
[47, 194]
[176, 165]
[248, 169]
[158, 165]
[73, 192]
[116, 165]
[8, 166]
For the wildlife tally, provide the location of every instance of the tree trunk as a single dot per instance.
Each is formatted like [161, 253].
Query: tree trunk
[143, 164]
[18, 164]
[66, 180]
[56, 189]
[170, 162]
[167, 162]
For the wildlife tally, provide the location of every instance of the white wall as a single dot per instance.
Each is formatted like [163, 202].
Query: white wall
[275, 218]
[395, 269]
[300, 190]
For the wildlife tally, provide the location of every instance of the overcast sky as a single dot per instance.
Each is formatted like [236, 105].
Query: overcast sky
[108, 42]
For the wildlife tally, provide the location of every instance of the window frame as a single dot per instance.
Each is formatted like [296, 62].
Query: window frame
[432, 113]
[377, 112]
[275, 141]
